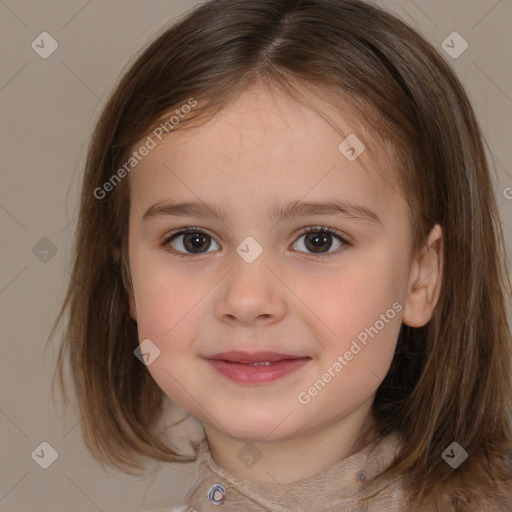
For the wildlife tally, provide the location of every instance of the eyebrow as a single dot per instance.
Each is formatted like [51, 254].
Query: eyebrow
[277, 213]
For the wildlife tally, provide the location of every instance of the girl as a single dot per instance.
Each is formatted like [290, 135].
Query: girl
[287, 227]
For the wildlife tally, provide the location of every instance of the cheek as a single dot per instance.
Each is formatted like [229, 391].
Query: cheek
[167, 310]
[166, 301]
[360, 311]
[357, 295]
[157, 308]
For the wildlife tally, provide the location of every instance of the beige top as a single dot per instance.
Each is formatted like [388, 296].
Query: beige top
[342, 487]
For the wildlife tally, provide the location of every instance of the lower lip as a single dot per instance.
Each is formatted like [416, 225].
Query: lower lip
[257, 374]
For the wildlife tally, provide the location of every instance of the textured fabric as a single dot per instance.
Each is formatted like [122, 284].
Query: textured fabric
[342, 487]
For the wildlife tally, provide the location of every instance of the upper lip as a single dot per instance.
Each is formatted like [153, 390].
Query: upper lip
[236, 356]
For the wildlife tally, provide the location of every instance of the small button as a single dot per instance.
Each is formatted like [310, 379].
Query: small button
[217, 494]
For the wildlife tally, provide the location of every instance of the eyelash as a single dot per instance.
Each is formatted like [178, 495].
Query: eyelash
[305, 231]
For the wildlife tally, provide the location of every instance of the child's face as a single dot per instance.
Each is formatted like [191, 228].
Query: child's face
[261, 152]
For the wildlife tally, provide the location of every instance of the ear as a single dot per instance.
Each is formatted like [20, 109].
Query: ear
[425, 281]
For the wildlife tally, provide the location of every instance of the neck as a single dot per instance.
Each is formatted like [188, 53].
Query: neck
[293, 459]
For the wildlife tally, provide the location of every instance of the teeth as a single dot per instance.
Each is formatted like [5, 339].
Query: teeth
[263, 363]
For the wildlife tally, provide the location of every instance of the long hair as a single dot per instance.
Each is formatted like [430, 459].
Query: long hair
[451, 379]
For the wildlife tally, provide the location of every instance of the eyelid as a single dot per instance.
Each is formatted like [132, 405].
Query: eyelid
[183, 231]
[344, 238]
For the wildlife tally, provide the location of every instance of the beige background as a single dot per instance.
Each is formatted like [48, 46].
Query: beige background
[48, 108]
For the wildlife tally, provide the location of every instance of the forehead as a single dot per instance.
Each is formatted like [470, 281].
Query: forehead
[263, 145]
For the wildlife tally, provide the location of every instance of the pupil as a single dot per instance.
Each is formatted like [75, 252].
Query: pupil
[319, 241]
[194, 241]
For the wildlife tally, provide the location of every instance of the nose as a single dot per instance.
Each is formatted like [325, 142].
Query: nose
[251, 295]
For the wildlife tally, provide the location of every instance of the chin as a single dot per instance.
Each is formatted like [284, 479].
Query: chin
[251, 426]
[251, 433]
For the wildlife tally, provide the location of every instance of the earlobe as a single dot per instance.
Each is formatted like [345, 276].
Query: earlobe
[425, 281]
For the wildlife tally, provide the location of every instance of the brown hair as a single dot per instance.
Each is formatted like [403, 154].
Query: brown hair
[450, 380]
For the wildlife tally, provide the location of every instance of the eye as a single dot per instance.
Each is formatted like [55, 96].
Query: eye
[319, 240]
[190, 241]
[193, 241]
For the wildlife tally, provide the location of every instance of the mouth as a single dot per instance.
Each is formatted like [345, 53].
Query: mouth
[257, 367]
